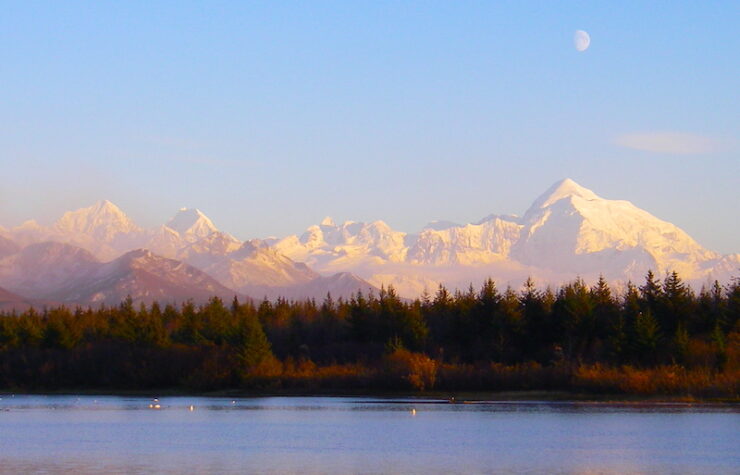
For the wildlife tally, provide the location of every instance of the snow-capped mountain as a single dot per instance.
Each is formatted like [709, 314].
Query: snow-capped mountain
[191, 224]
[61, 262]
[255, 267]
[164, 241]
[485, 242]
[571, 229]
[28, 232]
[568, 231]
[208, 250]
[103, 221]
[103, 229]
[328, 246]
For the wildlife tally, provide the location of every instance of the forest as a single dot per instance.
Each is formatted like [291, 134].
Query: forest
[658, 338]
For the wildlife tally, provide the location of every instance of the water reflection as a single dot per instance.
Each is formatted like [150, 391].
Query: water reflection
[110, 434]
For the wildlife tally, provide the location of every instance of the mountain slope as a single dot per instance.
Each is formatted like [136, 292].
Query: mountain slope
[255, 266]
[41, 270]
[145, 277]
[472, 244]
[208, 250]
[341, 285]
[10, 301]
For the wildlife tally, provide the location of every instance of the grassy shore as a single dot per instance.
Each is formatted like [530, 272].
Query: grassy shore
[406, 376]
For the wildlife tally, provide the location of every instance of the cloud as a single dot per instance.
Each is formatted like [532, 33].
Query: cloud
[677, 143]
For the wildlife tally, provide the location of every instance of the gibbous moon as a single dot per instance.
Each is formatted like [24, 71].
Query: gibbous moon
[581, 40]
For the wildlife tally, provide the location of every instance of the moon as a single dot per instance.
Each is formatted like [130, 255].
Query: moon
[581, 40]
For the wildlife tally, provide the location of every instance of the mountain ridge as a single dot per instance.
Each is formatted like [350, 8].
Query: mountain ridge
[568, 230]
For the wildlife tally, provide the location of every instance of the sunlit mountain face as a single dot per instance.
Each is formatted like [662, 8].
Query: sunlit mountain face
[98, 254]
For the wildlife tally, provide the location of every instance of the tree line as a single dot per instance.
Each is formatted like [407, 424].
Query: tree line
[574, 337]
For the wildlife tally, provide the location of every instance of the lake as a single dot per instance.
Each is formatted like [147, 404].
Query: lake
[105, 434]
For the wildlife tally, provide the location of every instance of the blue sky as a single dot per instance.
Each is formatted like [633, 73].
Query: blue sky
[270, 116]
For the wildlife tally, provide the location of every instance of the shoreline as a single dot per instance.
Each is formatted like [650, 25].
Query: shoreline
[430, 397]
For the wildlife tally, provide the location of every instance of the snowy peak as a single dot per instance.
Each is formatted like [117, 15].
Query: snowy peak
[565, 188]
[192, 224]
[568, 231]
[572, 230]
[103, 221]
[254, 267]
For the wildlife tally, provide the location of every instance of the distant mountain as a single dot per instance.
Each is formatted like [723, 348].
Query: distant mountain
[191, 224]
[102, 229]
[341, 285]
[7, 247]
[66, 267]
[164, 241]
[103, 222]
[568, 231]
[44, 269]
[28, 233]
[145, 277]
[488, 241]
[66, 273]
[571, 229]
[10, 301]
[208, 250]
[330, 246]
[255, 266]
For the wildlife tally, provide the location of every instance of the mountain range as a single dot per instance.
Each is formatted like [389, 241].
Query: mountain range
[99, 255]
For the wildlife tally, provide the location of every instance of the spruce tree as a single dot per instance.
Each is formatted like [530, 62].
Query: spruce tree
[252, 346]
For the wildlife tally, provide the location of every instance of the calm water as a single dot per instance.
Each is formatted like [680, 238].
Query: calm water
[64, 434]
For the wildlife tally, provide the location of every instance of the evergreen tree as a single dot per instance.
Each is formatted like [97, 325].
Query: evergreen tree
[647, 338]
[676, 304]
[606, 312]
[575, 309]
[650, 293]
[541, 328]
[252, 346]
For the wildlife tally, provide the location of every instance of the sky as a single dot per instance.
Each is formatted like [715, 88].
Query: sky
[269, 116]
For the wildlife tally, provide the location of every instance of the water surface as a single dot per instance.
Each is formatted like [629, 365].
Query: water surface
[68, 434]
